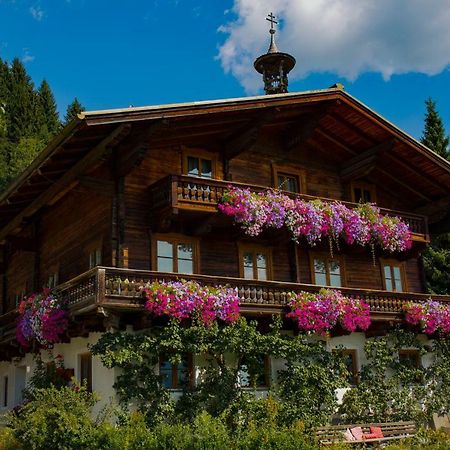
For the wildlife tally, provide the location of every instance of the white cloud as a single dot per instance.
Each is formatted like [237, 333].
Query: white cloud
[26, 58]
[36, 12]
[346, 37]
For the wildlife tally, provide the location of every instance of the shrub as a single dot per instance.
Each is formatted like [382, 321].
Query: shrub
[7, 440]
[56, 419]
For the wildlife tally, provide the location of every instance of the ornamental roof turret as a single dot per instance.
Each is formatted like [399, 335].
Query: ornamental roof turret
[274, 65]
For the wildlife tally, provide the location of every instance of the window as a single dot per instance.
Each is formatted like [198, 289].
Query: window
[198, 163]
[255, 263]
[363, 192]
[95, 258]
[255, 373]
[86, 370]
[175, 254]
[351, 365]
[5, 391]
[176, 376]
[410, 358]
[327, 271]
[287, 179]
[53, 280]
[393, 273]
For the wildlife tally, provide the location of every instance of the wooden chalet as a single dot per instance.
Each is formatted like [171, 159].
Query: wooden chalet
[122, 197]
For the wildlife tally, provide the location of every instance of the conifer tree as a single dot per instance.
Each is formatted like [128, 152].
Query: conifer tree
[48, 112]
[437, 257]
[72, 110]
[21, 104]
[434, 135]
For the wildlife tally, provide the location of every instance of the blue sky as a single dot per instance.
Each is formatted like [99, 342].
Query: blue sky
[114, 54]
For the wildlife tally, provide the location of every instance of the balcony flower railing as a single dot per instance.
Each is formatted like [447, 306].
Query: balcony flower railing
[121, 290]
[315, 220]
[181, 192]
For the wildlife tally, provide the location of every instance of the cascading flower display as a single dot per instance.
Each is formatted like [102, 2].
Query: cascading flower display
[320, 313]
[315, 220]
[42, 319]
[188, 299]
[432, 317]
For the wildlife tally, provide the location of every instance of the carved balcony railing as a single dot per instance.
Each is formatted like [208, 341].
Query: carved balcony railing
[124, 285]
[104, 288]
[202, 194]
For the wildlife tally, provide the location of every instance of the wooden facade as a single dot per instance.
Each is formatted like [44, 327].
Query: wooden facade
[88, 214]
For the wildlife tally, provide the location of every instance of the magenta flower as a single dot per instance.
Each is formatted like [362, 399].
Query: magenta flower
[42, 318]
[315, 220]
[432, 316]
[320, 313]
[188, 299]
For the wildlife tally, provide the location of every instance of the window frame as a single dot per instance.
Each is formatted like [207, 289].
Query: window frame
[326, 256]
[408, 352]
[364, 186]
[254, 249]
[174, 371]
[299, 174]
[200, 154]
[267, 376]
[82, 358]
[354, 375]
[176, 239]
[394, 263]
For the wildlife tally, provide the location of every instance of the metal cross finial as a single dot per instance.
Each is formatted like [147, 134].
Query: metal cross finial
[271, 19]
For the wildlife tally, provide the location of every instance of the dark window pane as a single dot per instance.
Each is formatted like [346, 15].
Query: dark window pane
[193, 166]
[166, 372]
[320, 272]
[206, 168]
[367, 196]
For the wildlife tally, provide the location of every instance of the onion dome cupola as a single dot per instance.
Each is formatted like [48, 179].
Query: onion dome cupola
[274, 65]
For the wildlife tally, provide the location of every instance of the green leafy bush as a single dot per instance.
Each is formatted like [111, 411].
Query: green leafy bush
[56, 419]
[7, 440]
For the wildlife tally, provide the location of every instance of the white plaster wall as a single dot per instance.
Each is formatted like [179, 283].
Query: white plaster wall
[103, 378]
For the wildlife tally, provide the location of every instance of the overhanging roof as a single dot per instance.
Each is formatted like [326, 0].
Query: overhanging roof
[349, 129]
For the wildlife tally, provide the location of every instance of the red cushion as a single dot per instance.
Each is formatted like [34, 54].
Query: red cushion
[377, 431]
[370, 436]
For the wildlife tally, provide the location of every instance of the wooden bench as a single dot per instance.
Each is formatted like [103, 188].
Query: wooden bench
[333, 434]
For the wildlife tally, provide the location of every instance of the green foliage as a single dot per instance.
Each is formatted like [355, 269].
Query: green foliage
[56, 419]
[46, 375]
[434, 135]
[437, 256]
[7, 440]
[73, 110]
[437, 264]
[28, 119]
[306, 387]
[392, 391]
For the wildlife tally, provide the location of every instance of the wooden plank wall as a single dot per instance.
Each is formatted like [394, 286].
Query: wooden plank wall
[71, 229]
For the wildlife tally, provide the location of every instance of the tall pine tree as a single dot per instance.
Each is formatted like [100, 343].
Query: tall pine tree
[48, 112]
[437, 257]
[434, 135]
[72, 110]
[28, 119]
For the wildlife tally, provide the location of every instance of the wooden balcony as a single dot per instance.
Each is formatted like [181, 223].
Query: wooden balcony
[181, 192]
[107, 288]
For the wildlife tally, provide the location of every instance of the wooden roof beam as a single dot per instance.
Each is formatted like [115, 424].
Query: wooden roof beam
[132, 151]
[357, 131]
[362, 164]
[302, 131]
[336, 141]
[406, 186]
[247, 136]
[67, 179]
